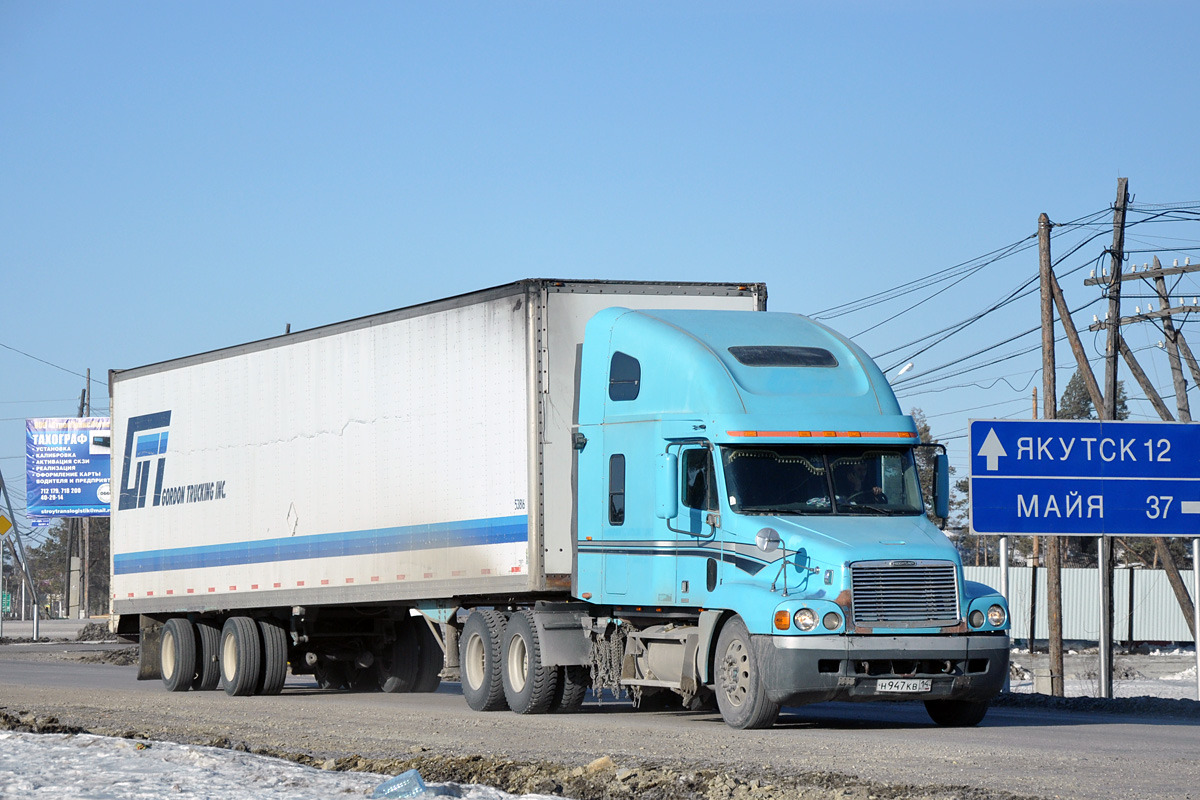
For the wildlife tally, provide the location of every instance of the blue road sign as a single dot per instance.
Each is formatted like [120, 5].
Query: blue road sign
[1085, 478]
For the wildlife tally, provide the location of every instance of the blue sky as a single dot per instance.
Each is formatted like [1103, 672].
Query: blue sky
[177, 177]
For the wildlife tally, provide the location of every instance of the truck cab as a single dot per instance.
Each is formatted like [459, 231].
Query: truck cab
[754, 508]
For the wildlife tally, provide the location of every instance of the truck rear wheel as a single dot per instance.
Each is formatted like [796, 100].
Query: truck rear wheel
[208, 647]
[741, 696]
[274, 657]
[241, 656]
[431, 659]
[573, 683]
[956, 713]
[177, 656]
[528, 686]
[479, 659]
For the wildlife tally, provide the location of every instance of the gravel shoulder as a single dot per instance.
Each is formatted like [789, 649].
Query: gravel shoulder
[606, 753]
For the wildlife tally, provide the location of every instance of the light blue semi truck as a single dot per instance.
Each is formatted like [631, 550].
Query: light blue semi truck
[548, 487]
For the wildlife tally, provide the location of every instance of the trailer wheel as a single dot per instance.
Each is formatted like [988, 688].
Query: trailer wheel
[330, 675]
[208, 658]
[177, 656]
[956, 713]
[479, 658]
[573, 683]
[528, 686]
[274, 657]
[396, 667]
[241, 656]
[432, 657]
[740, 692]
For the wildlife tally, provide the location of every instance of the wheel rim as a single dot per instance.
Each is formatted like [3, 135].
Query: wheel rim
[518, 663]
[735, 672]
[475, 665]
[168, 654]
[229, 657]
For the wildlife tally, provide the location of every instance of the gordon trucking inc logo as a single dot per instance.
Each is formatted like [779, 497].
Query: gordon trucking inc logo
[145, 445]
[146, 453]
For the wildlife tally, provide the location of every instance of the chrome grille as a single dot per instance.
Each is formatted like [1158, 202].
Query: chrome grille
[904, 594]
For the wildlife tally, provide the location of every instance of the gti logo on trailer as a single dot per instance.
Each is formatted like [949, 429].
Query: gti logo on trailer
[145, 442]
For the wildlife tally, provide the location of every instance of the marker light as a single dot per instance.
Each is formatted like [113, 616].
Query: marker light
[782, 620]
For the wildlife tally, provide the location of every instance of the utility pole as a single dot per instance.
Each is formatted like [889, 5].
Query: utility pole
[1165, 313]
[1033, 576]
[1112, 349]
[1050, 411]
[85, 608]
[19, 551]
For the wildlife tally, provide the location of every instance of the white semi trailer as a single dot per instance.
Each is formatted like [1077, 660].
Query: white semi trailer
[518, 468]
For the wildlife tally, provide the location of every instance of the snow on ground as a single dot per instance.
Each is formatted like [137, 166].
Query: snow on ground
[69, 766]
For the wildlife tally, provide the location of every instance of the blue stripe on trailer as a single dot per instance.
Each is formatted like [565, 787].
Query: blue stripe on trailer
[466, 533]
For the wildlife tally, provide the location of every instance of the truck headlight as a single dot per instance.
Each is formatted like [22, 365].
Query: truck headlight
[831, 621]
[806, 619]
[996, 616]
[977, 619]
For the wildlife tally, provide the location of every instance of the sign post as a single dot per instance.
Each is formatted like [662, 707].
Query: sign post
[1087, 478]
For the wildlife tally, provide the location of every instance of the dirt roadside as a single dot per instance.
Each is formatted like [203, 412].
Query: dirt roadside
[470, 749]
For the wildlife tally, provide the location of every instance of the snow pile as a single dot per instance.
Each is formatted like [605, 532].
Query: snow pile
[102, 768]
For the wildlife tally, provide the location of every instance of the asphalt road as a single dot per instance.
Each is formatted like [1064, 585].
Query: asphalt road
[1034, 752]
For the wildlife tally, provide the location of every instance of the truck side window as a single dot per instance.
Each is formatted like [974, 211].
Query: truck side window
[616, 490]
[624, 377]
[699, 480]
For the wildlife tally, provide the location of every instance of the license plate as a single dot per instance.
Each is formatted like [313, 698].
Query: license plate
[903, 685]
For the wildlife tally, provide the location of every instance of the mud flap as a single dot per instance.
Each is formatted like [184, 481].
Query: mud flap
[150, 649]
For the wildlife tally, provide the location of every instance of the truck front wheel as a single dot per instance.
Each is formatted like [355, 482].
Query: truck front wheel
[528, 686]
[956, 713]
[741, 695]
[177, 658]
[479, 659]
[241, 656]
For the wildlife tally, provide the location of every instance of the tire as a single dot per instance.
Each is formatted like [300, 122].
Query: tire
[431, 659]
[528, 686]
[273, 671]
[741, 696]
[241, 656]
[957, 713]
[330, 675]
[573, 683]
[396, 667]
[479, 657]
[177, 654]
[208, 656]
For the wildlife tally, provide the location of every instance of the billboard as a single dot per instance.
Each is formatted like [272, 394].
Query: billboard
[67, 466]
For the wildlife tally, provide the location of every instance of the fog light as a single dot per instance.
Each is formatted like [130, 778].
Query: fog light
[806, 619]
[782, 620]
[977, 619]
[996, 616]
[832, 621]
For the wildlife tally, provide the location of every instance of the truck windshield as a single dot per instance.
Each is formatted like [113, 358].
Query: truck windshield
[797, 479]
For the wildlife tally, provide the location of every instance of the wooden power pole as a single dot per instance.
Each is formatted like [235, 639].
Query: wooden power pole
[1050, 411]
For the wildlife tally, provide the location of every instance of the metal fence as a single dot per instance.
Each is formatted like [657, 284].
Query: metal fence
[1144, 607]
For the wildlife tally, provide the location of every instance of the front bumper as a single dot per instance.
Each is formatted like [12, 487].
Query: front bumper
[812, 669]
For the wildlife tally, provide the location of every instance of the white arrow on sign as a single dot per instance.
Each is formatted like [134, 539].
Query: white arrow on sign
[991, 449]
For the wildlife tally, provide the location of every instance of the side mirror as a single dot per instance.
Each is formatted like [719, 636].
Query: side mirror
[666, 486]
[941, 486]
